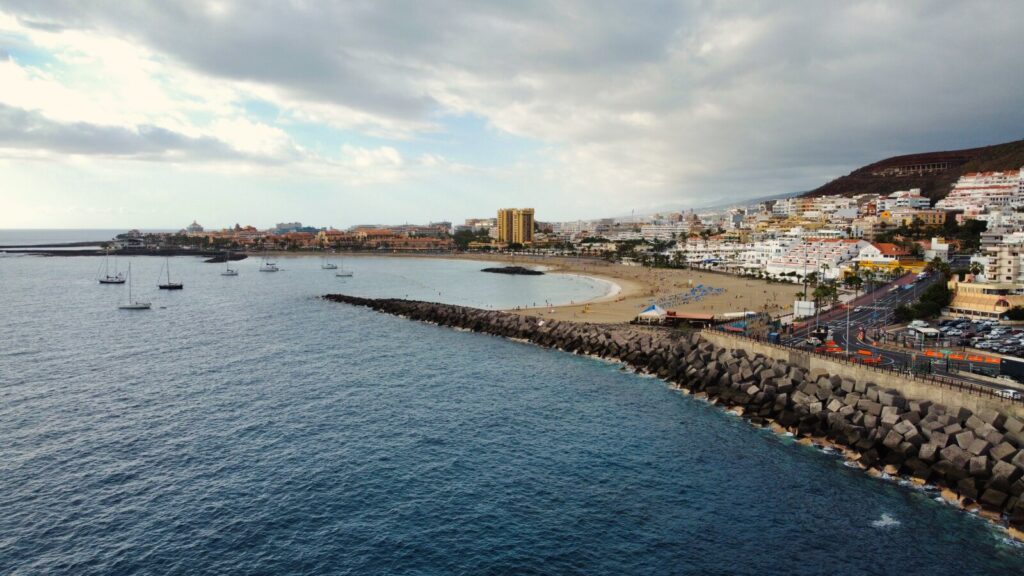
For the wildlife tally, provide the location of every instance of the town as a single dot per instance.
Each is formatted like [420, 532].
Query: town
[833, 243]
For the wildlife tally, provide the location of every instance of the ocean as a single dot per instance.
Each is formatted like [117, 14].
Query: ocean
[43, 237]
[245, 426]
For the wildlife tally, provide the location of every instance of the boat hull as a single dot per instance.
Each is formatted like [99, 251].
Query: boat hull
[171, 286]
[136, 306]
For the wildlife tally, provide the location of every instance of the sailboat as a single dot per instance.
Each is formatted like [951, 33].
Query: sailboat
[117, 278]
[343, 273]
[132, 304]
[169, 285]
[228, 270]
[267, 265]
[328, 265]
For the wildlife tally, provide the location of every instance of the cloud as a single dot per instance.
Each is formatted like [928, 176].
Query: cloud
[633, 105]
[26, 130]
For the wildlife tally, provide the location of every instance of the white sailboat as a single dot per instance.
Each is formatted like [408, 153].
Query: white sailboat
[343, 272]
[328, 265]
[117, 278]
[133, 304]
[228, 270]
[267, 265]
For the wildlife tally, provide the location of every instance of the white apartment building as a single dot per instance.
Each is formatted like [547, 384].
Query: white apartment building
[823, 255]
[712, 253]
[757, 256]
[664, 231]
[903, 199]
[975, 192]
[785, 207]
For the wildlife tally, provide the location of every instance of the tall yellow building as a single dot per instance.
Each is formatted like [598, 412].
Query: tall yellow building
[515, 225]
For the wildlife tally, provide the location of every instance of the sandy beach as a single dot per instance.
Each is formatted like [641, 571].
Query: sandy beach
[633, 288]
[639, 287]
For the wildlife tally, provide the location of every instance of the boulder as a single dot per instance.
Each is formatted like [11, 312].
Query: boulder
[978, 466]
[978, 447]
[992, 417]
[1013, 425]
[1003, 451]
[964, 439]
[993, 499]
[956, 455]
[892, 440]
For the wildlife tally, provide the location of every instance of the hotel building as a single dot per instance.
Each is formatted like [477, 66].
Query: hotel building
[515, 225]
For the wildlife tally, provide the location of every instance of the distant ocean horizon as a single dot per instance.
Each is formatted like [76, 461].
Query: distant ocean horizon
[44, 236]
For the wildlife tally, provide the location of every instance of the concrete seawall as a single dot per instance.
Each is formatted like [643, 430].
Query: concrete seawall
[884, 424]
[918, 389]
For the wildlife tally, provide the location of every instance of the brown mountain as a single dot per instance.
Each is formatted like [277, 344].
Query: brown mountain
[933, 172]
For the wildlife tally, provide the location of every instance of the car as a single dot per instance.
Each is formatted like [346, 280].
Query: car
[983, 345]
[1009, 393]
[858, 309]
[918, 324]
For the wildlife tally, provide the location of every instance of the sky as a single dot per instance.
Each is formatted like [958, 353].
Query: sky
[154, 114]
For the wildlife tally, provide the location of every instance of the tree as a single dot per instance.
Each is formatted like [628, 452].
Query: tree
[854, 282]
[1015, 313]
[976, 268]
[903, 313]
[937, 265]
[869, 279]
[821, 292]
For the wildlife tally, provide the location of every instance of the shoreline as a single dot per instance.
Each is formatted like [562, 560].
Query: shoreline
[685, 291]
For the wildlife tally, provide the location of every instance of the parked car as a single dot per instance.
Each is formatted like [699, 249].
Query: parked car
[1009, 393]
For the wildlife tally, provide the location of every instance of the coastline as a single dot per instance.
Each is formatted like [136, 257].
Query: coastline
[639, 287]
[779, 397]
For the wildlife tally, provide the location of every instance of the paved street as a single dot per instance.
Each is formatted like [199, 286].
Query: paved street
[864, 317]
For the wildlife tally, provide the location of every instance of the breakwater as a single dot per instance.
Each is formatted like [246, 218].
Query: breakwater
[975, 457]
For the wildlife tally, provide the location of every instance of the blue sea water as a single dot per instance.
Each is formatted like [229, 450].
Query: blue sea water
[244, 426]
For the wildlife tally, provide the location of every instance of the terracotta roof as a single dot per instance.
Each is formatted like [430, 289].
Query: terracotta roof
[888, 249]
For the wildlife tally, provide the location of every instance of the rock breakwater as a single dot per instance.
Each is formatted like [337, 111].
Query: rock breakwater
[514, 270]
[977, 458]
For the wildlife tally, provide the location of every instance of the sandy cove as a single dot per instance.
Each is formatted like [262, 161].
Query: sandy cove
[633, 287]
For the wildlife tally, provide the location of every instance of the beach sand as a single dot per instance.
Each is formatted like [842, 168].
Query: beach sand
[639, 287]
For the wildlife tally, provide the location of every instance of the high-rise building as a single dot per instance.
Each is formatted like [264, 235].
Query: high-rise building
[515, 225]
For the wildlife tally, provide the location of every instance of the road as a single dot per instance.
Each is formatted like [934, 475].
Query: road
[875, 312]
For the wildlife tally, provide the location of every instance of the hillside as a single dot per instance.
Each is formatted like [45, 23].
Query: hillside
[933, 172]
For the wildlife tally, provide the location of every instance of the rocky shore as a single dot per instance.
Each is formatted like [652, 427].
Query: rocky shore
[976, 459]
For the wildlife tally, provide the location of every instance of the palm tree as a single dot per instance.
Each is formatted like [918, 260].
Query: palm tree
[853, 281]
[869, 278]
[976, 269]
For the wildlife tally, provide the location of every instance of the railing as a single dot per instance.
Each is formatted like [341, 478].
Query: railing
[941, 381]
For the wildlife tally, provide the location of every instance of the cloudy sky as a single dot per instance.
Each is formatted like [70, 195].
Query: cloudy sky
[150, 114]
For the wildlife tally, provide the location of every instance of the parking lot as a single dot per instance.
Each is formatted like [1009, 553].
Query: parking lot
[984, 335]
